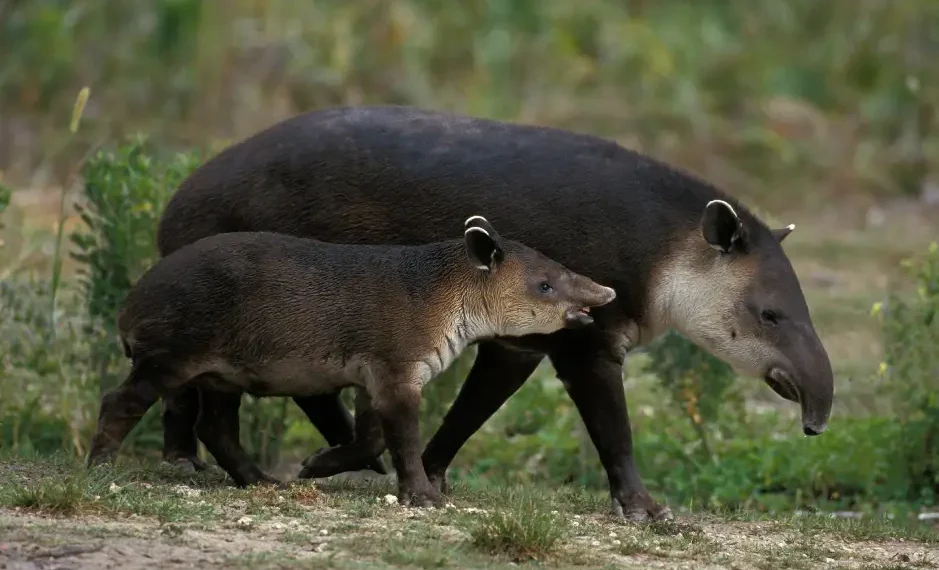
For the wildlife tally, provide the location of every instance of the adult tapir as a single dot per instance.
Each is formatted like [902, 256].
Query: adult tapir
[680, 254]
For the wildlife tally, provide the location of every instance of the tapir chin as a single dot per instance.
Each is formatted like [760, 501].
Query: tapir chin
[680, 254]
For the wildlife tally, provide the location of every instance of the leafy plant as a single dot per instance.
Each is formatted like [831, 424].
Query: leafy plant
[911, 366]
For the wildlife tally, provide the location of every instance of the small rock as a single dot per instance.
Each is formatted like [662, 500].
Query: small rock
[245, 522]
[278, 526]
[612, 534]
[390, 499]
[594, 542]
[186, 491]
[617, 542]
[114, 488]
[324, 531]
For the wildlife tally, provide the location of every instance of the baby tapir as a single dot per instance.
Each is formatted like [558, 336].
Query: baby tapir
[276, 315]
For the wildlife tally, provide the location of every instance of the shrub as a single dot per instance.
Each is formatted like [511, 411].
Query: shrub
[910, 325]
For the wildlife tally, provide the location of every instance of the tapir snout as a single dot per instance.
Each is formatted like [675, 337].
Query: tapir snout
[592, 295]
[807, 379]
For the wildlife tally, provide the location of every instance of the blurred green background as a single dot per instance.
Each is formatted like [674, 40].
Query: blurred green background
[822, 114]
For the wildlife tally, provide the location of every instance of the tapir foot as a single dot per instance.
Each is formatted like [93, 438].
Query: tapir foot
[188, 464]
[340, 459]
[439, 481]
[641, 508]
[96, 458]
[420, 496]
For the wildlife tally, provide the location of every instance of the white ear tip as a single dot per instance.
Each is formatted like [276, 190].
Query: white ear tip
[791, 227]
[471, 218]
[475, 229]
[723, 203]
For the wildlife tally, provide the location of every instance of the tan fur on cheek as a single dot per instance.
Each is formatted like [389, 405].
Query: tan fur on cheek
[701, 296]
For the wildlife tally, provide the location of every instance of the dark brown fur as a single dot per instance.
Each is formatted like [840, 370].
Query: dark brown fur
[711, 270]
[277, 315]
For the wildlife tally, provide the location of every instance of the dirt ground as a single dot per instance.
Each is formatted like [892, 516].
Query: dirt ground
[66, 519]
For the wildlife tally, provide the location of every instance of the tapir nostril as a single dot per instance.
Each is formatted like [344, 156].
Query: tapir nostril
[808, 430]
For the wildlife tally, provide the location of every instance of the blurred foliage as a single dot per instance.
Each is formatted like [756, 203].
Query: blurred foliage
[911, 368]
[746, 92]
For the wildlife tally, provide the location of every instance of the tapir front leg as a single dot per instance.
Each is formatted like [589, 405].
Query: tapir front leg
[593, 377]
[497, 373]
[397, 401]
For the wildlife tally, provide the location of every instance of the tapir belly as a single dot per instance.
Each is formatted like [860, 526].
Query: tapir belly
[283, 377]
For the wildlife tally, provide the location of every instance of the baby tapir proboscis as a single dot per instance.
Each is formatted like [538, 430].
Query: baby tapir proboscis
[277, 315]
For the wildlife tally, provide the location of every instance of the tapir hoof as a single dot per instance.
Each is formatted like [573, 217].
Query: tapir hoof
[189, 464]
[421, 497]
[641, 509]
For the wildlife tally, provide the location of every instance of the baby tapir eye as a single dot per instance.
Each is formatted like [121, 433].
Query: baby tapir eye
[545, 287]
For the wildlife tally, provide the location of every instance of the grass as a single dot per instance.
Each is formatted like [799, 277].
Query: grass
[524, 532]
[345, 523]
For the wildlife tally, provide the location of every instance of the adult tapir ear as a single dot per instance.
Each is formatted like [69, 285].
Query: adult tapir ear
[483, 251]
[781, 233]
[482, 223]
[721, 226]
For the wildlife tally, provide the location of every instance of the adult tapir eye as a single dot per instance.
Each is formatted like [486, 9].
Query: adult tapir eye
[545, 287]
[769, 317]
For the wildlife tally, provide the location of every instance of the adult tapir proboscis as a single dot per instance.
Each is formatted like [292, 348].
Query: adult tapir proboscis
[680, 253]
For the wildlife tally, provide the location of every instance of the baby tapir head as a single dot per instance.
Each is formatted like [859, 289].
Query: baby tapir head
[524, 292]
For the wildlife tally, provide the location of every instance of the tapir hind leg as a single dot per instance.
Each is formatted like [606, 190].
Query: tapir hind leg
[180, 446]
[362, 453]
[122, 408]
[326, 412]
[218, 428]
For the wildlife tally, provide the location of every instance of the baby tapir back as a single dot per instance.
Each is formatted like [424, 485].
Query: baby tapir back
[272, 314]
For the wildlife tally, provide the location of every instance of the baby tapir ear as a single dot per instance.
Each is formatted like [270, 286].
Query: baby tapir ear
[482, 249]
[781, 233]
[721, 226]
[482, 223]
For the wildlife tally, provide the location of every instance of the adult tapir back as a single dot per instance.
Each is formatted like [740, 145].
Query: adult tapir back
[679, 252]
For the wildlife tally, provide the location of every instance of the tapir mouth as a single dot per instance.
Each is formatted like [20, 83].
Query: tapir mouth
[780, 382]
[576, 318]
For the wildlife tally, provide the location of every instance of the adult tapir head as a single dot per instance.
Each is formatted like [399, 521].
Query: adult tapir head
[729, 288]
